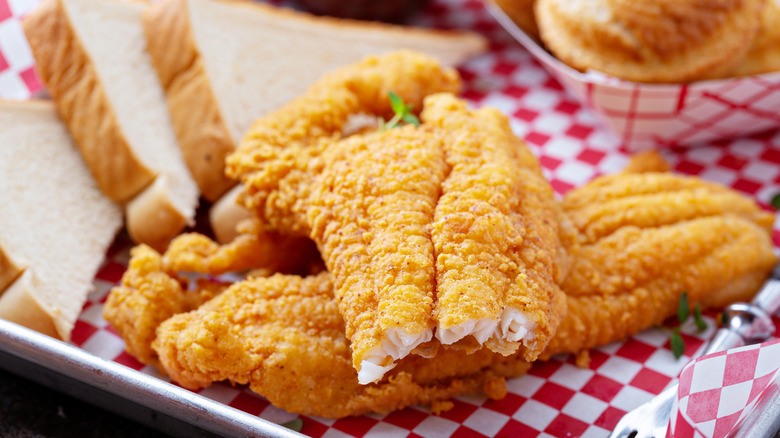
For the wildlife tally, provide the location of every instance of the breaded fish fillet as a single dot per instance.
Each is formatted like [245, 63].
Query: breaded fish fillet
[277, 158]
[284, 337]
[370, 212]
[653, 199]
[255, 247]
[499, 235]
[647, 238]
[148, 295]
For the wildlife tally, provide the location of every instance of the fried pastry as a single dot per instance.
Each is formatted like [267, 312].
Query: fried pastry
[650, 40]
[522, 13]
[764, 53]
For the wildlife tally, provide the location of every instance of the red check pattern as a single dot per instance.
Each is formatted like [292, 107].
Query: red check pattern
[556, 398]
[717, 391]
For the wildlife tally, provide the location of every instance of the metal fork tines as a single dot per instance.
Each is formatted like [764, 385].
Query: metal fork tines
[649, 419]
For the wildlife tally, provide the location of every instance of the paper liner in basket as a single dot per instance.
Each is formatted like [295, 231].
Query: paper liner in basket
[648, 116]
[718, 392]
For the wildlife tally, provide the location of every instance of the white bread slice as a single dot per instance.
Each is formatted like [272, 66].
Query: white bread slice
[91, 54]
[56, 225]
[224, 63]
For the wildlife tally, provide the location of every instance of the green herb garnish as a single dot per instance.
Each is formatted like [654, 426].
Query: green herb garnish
[678, 345]
[776, 201]
[296, 425]
[683, 313]
[700, 324]
[403, 113]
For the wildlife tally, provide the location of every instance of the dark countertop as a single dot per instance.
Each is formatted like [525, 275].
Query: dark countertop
[28, 409]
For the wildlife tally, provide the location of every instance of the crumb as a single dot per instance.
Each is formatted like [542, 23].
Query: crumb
[495, 388]
[582, 359]
[441, 406]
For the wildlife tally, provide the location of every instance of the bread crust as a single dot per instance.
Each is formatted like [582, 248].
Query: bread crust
[197, 121]
[650, 40]
[764, 53]
[71, 78]
[226, 214]
[152, 217]
[18, 305]
[10, 269]
[201, 129]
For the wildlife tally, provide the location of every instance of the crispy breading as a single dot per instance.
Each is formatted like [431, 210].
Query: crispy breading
[284, 337]
[370, 212]
[277, 157]
[499, 234]
[648, 237]
[253, 248]
[653, 199]
[148, 295]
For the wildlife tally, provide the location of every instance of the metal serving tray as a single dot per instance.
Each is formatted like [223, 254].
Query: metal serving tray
[124, 391]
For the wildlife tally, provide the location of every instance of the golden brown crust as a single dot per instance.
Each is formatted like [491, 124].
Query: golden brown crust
[70, 77]
[634, 278]
[370, 213]
[650, 41]
[200, 129]
[148, 295]
[498, 237]
[653, 199]
[764, 53]
[284, 336]
[522, 13]
[253, 248]
[275, 160]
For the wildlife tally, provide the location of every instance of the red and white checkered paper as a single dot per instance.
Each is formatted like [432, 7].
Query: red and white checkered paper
[718, 391]
[556, 398]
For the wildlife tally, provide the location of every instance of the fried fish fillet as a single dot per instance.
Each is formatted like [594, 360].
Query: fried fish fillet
[500, 235]
[148, 295]
[648, 237]
[254, 247]
[284, 337]
[277, 158]
[370, 212]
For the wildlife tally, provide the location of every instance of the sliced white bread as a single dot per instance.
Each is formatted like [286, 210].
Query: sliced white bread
[91, 55]
[223, 64]
[55, 225]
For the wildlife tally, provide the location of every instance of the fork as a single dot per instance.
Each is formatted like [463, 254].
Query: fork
[744, 324]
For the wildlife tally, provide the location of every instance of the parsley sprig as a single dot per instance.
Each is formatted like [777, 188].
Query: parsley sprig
[403, 113]
[296, 425]
[683, 313]
[776, 201]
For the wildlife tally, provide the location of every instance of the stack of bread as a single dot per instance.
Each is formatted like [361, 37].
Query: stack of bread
[147, 102]
[656, 41]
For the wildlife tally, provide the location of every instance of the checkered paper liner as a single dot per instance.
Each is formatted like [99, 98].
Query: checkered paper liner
[651, 115]
[718, 391]
[556, 398]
